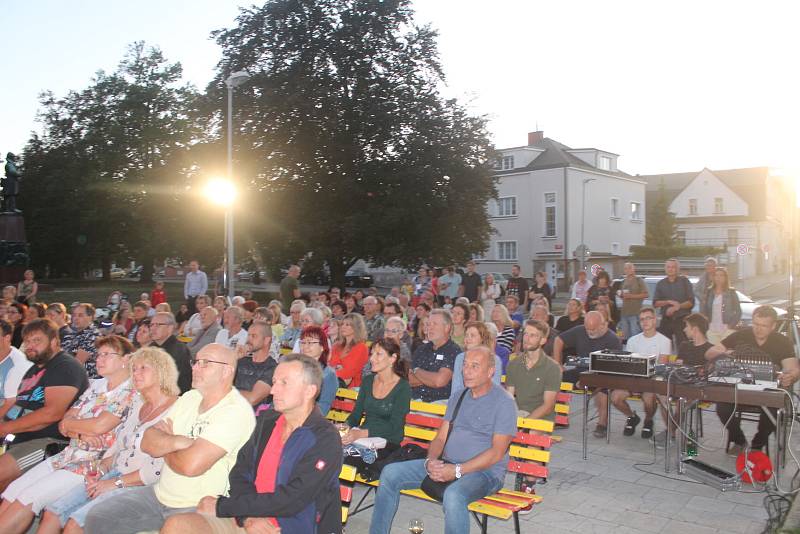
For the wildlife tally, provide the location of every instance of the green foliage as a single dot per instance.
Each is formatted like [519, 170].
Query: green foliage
[351, 151]
[661, 227]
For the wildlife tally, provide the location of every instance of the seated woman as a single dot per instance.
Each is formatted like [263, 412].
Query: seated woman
[90, 424]
[383, 401]
[505, 327]
[155, 379]
[477, 334]
[573, 316]
[350, 352]
[314, 343]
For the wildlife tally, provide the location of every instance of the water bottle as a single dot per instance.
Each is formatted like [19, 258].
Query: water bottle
[691, 445]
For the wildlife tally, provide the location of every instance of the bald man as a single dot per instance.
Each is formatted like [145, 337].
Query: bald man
[199, 441]
[592, 335]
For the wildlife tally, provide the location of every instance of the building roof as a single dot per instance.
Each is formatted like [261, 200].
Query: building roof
[748, 183]
[555, 155]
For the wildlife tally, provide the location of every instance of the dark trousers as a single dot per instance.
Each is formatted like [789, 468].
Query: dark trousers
[191, 303]
[735, 434]
[672, 328]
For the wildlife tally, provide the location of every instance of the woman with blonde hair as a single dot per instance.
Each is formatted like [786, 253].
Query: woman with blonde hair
[722, 307]
[476, 312]
[505, 326]
[476, 334]
[490, 292]
[125, 465]
[350, 352]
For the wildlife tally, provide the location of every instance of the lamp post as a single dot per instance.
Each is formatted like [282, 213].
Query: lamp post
[583, 222]
[234, 80]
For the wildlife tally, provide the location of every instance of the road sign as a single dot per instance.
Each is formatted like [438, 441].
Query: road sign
[582, 253]
[741, 249]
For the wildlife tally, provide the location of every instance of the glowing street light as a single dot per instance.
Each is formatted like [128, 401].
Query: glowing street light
[221, 192]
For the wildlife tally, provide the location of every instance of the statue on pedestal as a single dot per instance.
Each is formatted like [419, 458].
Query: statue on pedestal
[11, 185]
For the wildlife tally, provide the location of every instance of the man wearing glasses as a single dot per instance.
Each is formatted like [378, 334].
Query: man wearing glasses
[199, 440]
[162, 328]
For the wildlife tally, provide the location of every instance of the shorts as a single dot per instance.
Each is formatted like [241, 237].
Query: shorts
[41, 486]
[30, 453]
[75, 504]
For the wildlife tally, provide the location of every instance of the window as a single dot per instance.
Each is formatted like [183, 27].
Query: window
[733, 237]
[506, 206]
[505, 163]
[615, 208]
[549, 215]
[680, 237]
[636, 211]
[692, 206]
[718, 205]
[615, 249]
[506, 250]
[604, 162]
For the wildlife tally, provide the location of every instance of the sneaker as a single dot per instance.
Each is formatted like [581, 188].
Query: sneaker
[647, 429]
[630, 425]
[600, 431]
[527, 487]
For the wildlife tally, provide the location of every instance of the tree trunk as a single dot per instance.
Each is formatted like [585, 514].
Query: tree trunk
[338, 270]
[105, 264]
[147, 268]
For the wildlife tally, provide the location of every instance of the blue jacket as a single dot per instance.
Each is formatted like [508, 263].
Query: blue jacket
[306, 498]
[731, 311]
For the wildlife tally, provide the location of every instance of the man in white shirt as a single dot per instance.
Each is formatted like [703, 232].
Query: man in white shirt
[233, 334]
[13, 364]
[195, 323]
[580, 289]
[196, 284]
[650, 341]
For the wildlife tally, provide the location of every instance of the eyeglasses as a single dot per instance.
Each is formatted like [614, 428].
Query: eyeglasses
[159, 324]
[394, 330]
[203, 362]
[107, 354]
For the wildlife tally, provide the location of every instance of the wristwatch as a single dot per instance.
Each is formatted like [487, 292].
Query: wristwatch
[119, 483]
[458, 471]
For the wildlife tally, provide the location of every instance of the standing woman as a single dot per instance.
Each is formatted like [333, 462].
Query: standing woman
[489, 294]
[383, 401]
[541, 287]
[314, 343]
[460, 314]
[350, 352]
[721, 307]
[27, 289]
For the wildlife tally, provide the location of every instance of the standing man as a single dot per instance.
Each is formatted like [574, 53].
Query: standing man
[13, 366]
[199, 441]
[254, 370]
[79, 339]
[449, 284]
[475, 455]
[633, 292]
[290, 287]
[162, 328]
[706, 281]
[518, 286]
[471, 283]
[649, 341]
[432, 363]
[760, 341]
[196, 284]
[580, 289]
[675, 297]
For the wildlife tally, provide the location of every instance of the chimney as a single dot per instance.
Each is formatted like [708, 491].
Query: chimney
[535, 137]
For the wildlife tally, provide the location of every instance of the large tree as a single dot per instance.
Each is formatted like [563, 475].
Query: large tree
[661, 227]
[344, 142]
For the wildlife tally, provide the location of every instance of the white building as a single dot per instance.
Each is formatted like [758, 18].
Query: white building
[551, 199]
[746, 209]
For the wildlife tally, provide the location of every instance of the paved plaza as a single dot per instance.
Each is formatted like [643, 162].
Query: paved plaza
[615, 491]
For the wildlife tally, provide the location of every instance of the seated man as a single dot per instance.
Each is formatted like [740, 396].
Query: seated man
[516, 313]
[432, 363]
[287, 475]
[209, 328]
[46, 392]
[474, 458]
[254, 370]
[760, 341]
[233, 334]
[648, 341]
[162, 328]
[592, 335]
[533, 378]
[13, 366]
[199, 441]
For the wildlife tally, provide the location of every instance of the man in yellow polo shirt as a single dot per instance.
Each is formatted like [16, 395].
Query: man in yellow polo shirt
[199, 441]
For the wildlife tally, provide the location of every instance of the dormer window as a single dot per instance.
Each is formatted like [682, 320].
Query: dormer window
[604, 163]
[506, 163]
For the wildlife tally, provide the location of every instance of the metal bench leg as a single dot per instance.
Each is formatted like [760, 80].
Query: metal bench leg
[516, 523]
[483, 521]
[358, 509]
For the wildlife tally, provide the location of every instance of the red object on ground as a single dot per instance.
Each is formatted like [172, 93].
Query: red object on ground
[758, 464]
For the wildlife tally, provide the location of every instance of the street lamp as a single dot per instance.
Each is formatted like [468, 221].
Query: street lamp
[583, 223]
[234, 80]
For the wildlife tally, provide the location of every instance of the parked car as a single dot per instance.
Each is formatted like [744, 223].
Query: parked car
[116, 273]
[746, 303]
[135, 273]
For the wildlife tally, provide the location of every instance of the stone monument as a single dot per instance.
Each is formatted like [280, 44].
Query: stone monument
[14, 256]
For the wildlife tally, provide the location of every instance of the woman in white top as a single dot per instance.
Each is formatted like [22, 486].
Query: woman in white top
[489, 294]
[124, 465]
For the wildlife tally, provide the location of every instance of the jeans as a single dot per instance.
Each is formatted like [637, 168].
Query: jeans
[409, 475]
[76, 504]
[132, 511]
[630, 325]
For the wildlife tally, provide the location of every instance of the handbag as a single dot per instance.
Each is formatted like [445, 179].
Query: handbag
[432, 488]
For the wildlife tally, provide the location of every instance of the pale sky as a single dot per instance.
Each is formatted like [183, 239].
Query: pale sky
[670, 86]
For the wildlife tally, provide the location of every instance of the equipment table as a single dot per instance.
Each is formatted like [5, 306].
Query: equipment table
[683, 394]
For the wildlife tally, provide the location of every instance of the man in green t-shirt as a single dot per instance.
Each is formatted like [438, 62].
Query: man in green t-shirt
[290, 287]
[533, 378]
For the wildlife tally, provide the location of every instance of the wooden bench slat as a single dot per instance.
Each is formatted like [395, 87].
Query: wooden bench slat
[527, 468]
[348, 473]
[419, 433]
[343, 405]
[536, 455]
[562, 409]
[345, 493]
[491, 510]
[567, 386]
[423, 420]
[428, 407]
[347, 393]
[535, 440]
[535, 424]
